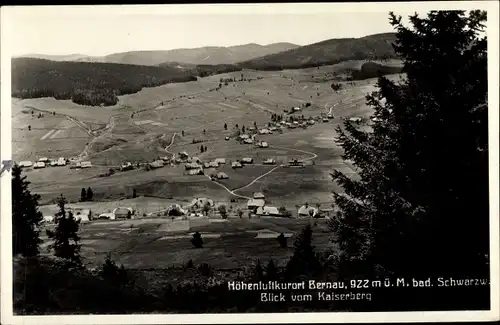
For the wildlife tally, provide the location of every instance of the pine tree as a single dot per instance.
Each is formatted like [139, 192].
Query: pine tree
[420, 207]
[25, 216]
[134, 193]
[90, 194]
[225, 126]
[83, 195]
[258, 272]
[66, 243]
[197, 241]
[304, 261]
[271, 271]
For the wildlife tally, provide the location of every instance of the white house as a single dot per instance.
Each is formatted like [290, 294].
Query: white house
[86, 164]
[355, 119]
[247, 160]
[307, 211]
[296, 109]
[199, 203]
[220, 161]
[123, 212]
[269, 161]
[248, 141]
[236, 164]
[222, 175]
[39, 164]
[61, 161]
[83, 215]
[259, 195]
[25, 163]
[192, 166]
[44, 159]
[244, 136]
[213, 164]
[108, 215]
[193, 172]
[267, 211]
[254, 204]
[264, 144]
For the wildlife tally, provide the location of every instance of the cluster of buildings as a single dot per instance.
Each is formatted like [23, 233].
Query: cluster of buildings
[46, 162]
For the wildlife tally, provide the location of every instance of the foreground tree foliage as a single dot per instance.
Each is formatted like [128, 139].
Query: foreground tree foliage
[25, 216]
[420, 207]
[66, 240]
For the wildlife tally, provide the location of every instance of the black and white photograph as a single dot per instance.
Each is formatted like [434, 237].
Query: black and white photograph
[250, 163]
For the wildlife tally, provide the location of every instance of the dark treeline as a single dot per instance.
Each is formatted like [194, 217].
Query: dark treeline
[87, 83]
[206, 70]
[373, 70]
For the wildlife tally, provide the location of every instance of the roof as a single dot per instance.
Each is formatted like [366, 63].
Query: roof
[222, 175]
[244, 136]
[268, 210]
[220, 160]
[247, 159]
[236, 163]
[123, 210]
[192, 166]
[256, 202]
[258, 195]
[25, 164]
[201, 201]
[305, 210]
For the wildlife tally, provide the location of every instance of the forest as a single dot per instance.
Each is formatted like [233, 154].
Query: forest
[87, 83]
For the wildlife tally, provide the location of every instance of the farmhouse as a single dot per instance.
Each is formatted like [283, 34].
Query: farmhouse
[75, 165]
[236, 164]
[183, 155]
[213, 164]
[61, 161]
[296, 163]
[268, 211]
[25, 164]
[53, 163]
[307, 211]
[198, 203]
[206, 165]
[48, 219]
[83, 215]
[311, 122]
[193, 172]
[108, 215]
[355, 119]
[244, 136]
[126, 166]
[259, 195]
[248, 141]
[222, 175]
[329, 115]
[263, 144]
[247, 160]
[157, 164]
[255, 203]
[166, 159]
[264, 131]
[220, 161]
[39, 164]
[176, 210]
[296, 109]
[193, 165]
[196, 160]
[123, 213]
[44, 159]
[86, 164]
[269, 161]
[325, 120]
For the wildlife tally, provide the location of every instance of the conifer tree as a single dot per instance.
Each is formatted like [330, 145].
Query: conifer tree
[25, 216]
[90, 194]
[83, 195]
[420, 207]
[271, 271]
[304, 261]
[66, 243]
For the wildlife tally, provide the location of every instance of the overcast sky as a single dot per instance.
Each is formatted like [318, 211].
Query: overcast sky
[100, 30]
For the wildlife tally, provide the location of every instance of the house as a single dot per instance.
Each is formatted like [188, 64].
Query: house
[193, 165]
[307, 211]
[220, 161]
[25, 164]
[296, 122]
[236, 164]
[268, 211]
[199, 203]
[311, 122]
[264, 131]
[48, 219]
[213, 164]
[227, 138]
[325, 120]
[244, 136]
[296, 163]
[166, 159]
[126, 166]
[259, 195]
[329, 115]
[196, 160]
[355, 119]
[83, 215]
[269, 161]
[247, 160]
[86, 164]
[157, 164]
[296, 109]
[75, 165]
[183, 155]
[123, 213]
[176, 210]
[206, 165]
[108, 215]
[248, 141]
[193, 172]
[263, 144]
[61, 161]
[39, 164]
[44, 160]
[222, 175]
[255, 203]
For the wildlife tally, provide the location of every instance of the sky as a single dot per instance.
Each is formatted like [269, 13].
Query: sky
[100, 30]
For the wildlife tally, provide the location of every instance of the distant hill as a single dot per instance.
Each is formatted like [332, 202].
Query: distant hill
[210, 55]
[69, 57]
[87, 83]
[378, 46]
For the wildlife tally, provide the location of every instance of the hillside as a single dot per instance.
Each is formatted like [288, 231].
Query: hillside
[372, 70]
[204, 55]
[87, 83]
[378, 46]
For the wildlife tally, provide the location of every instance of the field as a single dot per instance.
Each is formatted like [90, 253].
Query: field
[161, 243]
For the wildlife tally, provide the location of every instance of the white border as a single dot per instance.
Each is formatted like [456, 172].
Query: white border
[5, 195]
